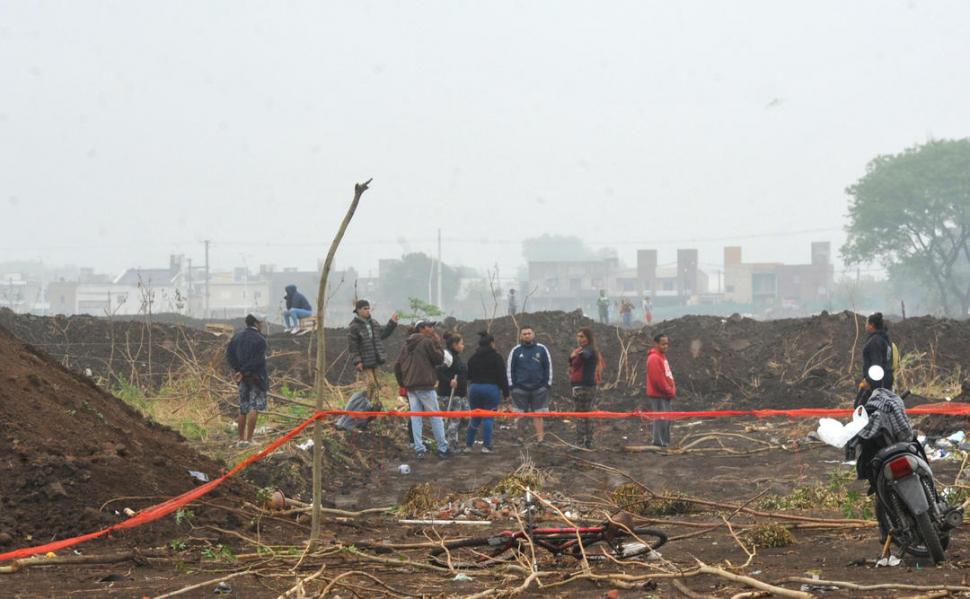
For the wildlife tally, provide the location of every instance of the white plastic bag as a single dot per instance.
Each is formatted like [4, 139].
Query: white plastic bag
[836, 434]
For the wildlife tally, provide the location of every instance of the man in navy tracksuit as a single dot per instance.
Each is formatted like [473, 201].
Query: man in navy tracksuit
[530, 376]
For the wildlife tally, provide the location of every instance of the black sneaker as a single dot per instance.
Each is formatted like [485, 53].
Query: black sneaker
[445, 454]
[421, 455]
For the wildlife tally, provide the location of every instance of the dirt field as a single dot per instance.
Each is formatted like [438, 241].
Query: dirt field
[72, 455]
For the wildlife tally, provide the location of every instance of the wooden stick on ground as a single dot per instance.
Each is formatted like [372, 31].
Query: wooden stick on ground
[193, 587]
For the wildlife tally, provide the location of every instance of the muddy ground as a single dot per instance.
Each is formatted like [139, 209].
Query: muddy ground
[709, 471]
[73, 455]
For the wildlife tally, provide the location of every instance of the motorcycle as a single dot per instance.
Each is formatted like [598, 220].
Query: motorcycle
[910, 511]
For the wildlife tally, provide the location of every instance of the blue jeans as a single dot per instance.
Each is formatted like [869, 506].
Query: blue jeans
[291, 317]
[426, 401]
[482, 397]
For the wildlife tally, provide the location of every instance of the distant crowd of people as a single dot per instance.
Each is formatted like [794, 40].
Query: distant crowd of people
[433, 376]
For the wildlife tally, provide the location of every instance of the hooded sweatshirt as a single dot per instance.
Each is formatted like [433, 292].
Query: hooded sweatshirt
[295, 299]
[660, 380]
[416, 366]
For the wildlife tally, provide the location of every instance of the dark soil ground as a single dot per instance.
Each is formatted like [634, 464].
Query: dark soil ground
[71, 455]
[791, 362]
[585, 476]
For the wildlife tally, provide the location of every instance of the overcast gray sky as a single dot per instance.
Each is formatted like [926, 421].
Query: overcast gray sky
[130, 130]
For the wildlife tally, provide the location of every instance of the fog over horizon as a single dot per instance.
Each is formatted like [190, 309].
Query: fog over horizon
[133, 130]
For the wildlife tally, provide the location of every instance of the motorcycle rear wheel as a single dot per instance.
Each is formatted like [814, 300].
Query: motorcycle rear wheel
[931, 540]
[885, 525]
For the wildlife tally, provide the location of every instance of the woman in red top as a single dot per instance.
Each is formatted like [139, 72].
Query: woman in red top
[585, 370]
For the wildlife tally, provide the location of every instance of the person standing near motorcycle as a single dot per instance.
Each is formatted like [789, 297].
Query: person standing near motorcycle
[880, 351]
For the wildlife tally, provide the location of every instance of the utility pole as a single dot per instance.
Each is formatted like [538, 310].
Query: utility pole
[188, 287]
[440, 306]
[205, 311]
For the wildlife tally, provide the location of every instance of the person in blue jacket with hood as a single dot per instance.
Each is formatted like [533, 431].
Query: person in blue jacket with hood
[297, 307]
[530, 376]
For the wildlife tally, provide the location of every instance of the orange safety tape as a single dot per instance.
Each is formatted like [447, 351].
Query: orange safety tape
[169, 506]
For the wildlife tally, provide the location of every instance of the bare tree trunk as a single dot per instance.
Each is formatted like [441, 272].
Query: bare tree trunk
[320, 372]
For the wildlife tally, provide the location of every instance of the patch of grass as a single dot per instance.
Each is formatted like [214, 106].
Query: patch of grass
[835, 494]
[768, 535]
[131, 394]
[222, 553]
[633, 498]
[526, 476]
[670, 505]
[420, 499]
[919, 372]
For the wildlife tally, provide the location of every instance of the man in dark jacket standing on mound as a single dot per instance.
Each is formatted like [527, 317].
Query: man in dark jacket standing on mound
[365, 344]
[246, 355]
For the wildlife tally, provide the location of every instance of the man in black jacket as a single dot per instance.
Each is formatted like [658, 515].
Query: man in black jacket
[365, 344]
[246, 355]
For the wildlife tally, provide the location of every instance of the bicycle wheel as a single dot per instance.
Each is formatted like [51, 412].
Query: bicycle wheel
[624, 545]
[480, 552]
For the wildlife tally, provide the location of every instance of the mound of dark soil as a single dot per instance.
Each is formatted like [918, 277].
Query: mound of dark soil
[67, 449]
[717, 361]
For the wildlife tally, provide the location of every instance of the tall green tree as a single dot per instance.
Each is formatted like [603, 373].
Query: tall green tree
[410, 276]
[911, 212]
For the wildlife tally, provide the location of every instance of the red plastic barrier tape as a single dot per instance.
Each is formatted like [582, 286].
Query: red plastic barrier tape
[165, 508]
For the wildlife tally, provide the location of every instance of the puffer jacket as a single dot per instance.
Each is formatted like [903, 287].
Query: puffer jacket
[365, 342]
[416, 368]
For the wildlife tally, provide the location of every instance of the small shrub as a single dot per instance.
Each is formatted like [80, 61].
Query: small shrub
[419, 499]
[768, 535]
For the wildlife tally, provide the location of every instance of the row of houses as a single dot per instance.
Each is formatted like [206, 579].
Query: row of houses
[183, 288]
[564, 285]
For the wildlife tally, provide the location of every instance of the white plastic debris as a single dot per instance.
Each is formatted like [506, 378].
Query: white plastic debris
[404, 469]
[306, 445]
[836, 434]
[957, 437]
[462, 577]
[888, 562]
[199, 476]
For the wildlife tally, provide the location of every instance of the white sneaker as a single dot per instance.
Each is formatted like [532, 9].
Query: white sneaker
[295, 330]
[486, 450]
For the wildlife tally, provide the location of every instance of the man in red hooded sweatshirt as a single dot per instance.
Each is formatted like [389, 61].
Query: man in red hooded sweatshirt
[661, 388]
